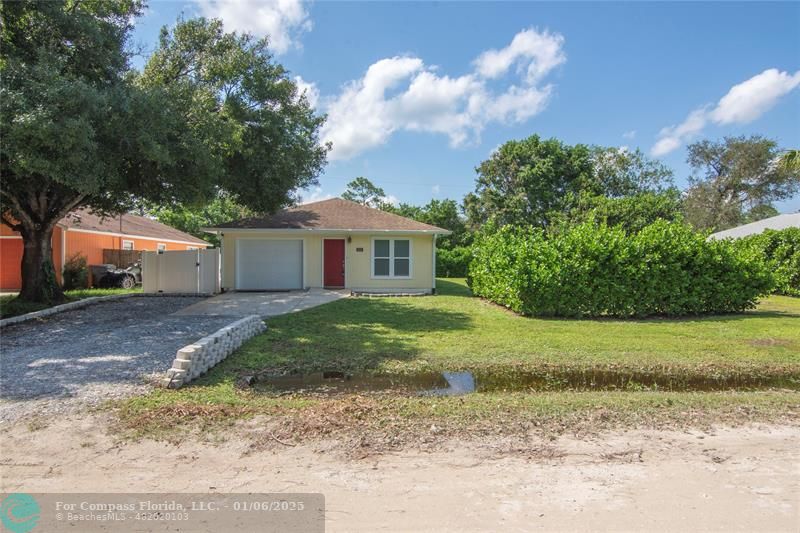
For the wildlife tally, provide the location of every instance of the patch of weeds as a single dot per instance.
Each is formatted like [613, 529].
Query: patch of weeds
[372, 423]
[165, 418]
[37, 423]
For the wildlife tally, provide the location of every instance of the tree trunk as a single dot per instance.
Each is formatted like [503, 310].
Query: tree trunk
[39, 283]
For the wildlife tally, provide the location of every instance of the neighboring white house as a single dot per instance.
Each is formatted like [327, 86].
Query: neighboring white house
[791, 220]
[332, 244]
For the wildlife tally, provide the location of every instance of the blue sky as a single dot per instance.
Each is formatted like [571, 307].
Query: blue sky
[418, 94]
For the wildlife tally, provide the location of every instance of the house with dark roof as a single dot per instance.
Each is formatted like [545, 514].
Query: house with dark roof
[88, 234]
[334, 243]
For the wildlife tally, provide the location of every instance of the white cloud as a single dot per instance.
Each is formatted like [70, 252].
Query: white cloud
[743, 103]
[403, 93]
[672, 137]
[629, 134]
[518, 104]
[750, 99]
[283, 21]
[360, 117]
[309, 89]
[435, 190]
[665, 145]
[535, 54]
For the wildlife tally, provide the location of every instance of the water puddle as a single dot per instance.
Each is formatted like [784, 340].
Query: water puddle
[458, 383]
[339, 382]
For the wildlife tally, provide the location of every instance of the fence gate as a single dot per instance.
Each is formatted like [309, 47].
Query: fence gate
[184, 271]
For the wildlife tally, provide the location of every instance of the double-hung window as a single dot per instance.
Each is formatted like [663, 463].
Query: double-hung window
[391, 258]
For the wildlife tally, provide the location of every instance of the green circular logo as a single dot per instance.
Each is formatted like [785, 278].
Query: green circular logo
[20, 513]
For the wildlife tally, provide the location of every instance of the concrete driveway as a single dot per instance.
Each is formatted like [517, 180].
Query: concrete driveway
[263, 304]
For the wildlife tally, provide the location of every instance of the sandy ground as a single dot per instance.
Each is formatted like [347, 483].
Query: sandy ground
[742, 479]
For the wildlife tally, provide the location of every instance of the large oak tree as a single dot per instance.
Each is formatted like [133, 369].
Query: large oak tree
[735, 181]
[211, 114]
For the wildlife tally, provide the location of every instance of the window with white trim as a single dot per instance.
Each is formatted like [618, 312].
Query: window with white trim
[127, 245]
[161, 247]
[391, 258]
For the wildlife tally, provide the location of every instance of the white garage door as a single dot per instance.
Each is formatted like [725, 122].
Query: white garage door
[265, 264]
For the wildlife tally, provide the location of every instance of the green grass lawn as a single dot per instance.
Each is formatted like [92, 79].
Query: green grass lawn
[455, 331]
[11, 306]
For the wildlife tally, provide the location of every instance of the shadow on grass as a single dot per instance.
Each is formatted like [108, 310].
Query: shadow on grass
[348, 335]
[452, 288]
[665, 319]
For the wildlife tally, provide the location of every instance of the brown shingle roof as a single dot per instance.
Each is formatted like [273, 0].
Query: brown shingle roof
[132, 225]
[333, 214]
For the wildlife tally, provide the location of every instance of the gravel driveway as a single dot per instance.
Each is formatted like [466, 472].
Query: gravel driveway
[95, 353]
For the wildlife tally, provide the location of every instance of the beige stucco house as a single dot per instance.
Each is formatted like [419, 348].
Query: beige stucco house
[330, 244]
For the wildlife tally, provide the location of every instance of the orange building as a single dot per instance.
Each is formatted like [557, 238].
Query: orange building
[88, 235]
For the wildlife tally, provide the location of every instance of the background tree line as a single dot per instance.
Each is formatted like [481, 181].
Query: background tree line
[547, 184]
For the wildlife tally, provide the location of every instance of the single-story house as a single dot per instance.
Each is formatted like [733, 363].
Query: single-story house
[88, 234]
[334, 243]
[779, 222]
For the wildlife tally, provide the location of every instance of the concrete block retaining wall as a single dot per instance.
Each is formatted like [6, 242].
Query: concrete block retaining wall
[197, 358]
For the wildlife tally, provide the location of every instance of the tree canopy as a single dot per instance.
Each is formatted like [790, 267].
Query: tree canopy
[631, 213]
[444, 214]
[735, 180]
[790, 159]
[541, 182]
[192, 219]
[211, 114]
[363, 191]
[621, 172]
[259, 133]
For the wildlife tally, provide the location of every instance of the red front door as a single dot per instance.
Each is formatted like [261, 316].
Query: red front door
[334, 262]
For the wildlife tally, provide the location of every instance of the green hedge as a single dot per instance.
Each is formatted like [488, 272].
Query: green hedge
[453, 262]
[781, 250]
[594, 270]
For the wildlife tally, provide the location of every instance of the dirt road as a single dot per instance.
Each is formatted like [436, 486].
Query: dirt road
[745, 479]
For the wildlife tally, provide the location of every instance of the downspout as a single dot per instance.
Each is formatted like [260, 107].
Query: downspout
[433, 266]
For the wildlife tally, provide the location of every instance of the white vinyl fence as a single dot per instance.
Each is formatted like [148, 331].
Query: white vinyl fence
[185, 271]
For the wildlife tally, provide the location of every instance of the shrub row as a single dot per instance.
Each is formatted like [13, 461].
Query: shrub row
[76, 273]
[453, 262]
[781, 250]
[593, 270]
